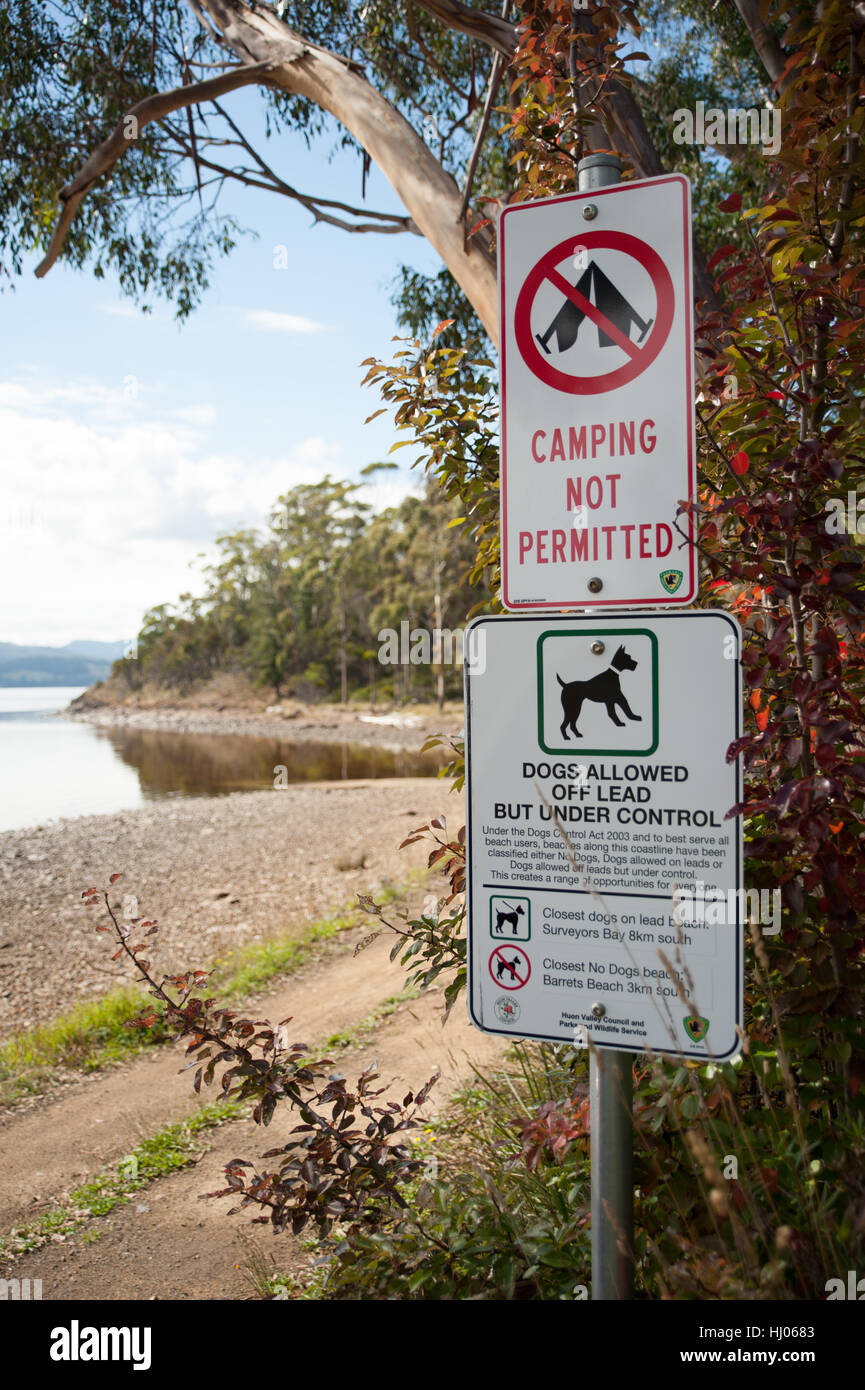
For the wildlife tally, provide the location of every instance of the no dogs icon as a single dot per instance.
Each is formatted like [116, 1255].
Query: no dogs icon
[510, 967]
[597, 313]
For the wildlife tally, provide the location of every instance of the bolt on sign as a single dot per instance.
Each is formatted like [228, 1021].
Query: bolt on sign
[597, 412]
[605, 890]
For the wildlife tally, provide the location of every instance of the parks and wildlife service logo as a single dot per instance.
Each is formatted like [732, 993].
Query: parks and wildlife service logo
[671, 579]
[695, 1027]
[507, 1010]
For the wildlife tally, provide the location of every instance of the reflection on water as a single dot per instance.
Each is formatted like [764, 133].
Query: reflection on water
[52, 767]
[175, 764]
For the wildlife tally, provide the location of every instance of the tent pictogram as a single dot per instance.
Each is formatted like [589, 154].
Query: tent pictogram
[597, 299]
[510, 967]
[598, 289]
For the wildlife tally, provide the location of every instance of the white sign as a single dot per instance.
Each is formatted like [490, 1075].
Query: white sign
[597, 447]
[604, 880]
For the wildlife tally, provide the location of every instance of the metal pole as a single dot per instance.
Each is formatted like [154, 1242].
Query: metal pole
[610, 1072]
[598, 170]
[612, 1142]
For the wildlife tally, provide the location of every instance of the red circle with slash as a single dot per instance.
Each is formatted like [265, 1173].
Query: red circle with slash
[641, 356]
[513, 973]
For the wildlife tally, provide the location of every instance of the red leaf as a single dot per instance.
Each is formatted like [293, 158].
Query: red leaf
[114, 878]
[739, 463]
[440, 328]
[732, 203]
[720, 255]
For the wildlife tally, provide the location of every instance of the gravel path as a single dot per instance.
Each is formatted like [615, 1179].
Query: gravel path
[166, 1242]
[216, 872]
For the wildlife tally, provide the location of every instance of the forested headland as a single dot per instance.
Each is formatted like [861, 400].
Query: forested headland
[297, 607]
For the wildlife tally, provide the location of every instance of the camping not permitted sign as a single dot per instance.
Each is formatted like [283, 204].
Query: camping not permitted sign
[604, 879]
[597, 411]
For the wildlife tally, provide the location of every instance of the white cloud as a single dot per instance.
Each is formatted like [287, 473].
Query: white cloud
[37, 397]
[123, 311]
[389, 492]
[109, 506]
[270, 321]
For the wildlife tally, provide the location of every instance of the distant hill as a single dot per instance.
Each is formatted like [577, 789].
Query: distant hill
[76, 663]
[94, 651]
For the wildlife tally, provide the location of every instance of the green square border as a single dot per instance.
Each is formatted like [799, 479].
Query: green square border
[517, 898]
[618, 632]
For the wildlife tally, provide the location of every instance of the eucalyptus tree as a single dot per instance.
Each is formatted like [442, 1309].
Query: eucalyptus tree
[119, 136]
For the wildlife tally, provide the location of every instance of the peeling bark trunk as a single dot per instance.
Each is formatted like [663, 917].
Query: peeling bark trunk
[273, 55]
[430, 194]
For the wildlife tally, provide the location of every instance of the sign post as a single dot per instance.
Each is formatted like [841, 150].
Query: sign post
[596, 802]
[611, 1080]
[611, 1100]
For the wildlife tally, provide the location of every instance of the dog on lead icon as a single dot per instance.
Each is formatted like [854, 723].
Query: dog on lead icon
[511, 918]
[598, 691]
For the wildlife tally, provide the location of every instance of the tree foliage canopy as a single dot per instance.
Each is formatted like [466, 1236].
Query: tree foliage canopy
[120, 135]
[299, 607]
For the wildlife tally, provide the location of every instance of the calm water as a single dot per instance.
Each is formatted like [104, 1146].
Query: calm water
[51, 767]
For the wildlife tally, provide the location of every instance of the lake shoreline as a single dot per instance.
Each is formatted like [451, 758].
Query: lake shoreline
[396, 730]
[218, 873]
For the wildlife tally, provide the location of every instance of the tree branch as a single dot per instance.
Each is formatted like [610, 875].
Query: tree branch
[769, 51]
[384, 222]
[153, 108]
[490, 29]
[496, 72]
[427, 190]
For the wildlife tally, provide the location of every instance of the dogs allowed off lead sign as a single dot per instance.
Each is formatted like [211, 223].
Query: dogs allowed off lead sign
[610, 730]
[597, 414]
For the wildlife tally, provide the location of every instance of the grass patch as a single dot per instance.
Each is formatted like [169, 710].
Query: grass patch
[91, 1035]
[165, 1152]
[361, 1030]
[95, 1034]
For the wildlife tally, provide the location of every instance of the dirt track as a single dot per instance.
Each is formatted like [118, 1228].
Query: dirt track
[166, 1243]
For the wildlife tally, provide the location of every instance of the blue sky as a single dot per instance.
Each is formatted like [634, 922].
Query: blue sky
[131, 442]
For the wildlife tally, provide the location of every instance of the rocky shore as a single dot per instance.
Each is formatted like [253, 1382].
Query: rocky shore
[401, 730]
[217, 872]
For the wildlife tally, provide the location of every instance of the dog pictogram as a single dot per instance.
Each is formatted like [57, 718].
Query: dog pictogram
[605, 689]
[511, 917]
[510, 967]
